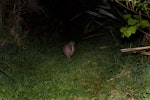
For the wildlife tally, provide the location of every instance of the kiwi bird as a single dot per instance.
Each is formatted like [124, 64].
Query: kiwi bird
[69, 49]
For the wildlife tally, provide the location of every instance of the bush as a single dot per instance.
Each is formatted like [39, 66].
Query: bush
[137, 17]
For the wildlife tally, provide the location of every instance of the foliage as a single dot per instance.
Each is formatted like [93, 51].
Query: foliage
[138, 21]
[13, 12]
[140, 7]
[134, 22]
[11, 21]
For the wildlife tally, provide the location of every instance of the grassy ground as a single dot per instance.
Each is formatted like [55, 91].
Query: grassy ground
[39, 71]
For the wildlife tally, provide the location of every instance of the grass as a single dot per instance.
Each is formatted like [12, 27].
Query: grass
[38, 70]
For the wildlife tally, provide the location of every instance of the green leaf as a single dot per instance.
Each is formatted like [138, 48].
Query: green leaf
[144, 23]
[123, 29]
[132, 21]
[127, 16]
[128, 31]
[138, 25]
[127, 34]
[132, 29]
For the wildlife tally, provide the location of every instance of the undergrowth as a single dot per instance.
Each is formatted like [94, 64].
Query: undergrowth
[37, 70]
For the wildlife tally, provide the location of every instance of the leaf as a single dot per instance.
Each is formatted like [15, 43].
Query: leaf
[125, 32]
[132, 29]
[127, 16]
[144, 23]
[128, 31]
[132, 21]
[123, 29]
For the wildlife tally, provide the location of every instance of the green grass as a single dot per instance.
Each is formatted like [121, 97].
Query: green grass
[39, 71]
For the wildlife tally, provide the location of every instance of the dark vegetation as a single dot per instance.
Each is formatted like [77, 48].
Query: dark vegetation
[70, 18]
[73, 20]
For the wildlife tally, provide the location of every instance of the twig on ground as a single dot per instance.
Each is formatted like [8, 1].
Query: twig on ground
[135, 49]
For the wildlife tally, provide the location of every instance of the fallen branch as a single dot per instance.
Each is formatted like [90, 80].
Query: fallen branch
[135, 49]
